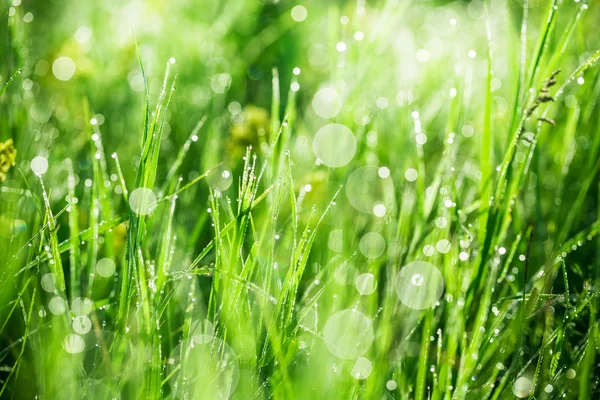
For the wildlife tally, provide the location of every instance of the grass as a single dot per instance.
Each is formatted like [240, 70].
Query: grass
[173, 235]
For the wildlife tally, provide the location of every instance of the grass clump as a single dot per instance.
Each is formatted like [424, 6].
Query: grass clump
[364, 200]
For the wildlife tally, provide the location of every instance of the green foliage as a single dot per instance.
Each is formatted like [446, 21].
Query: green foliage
[213, 255]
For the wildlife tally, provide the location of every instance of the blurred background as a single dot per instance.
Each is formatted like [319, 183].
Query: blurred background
[394, 72]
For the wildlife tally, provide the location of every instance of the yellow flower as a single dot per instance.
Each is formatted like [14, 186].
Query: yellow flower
[8, 154]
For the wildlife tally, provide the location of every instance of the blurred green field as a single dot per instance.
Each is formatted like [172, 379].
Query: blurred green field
[256, 199]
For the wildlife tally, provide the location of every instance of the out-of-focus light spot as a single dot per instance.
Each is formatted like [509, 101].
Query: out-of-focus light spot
[443, 246]
[472, 54]
[49, 282]
[476, 9]
[299, 13]
[411, 175]
[219, 83]
[83, 34]
[348, 334]
[453, 21]
[334, 145]
[136, 80]
[379, 210]
[295, 86]
[365, 284]
[362, 368]
[391, 385]
[345, 274]
[419, 285]
[361, 116]
[421, 138]
[404, 98]
[41, 67]
[571, 101]
[452, 93]
[327, 103]
[468, 131]
[383, 172]
[422, 55]
[335, 241]
[365, 189]
[296, 71]
[142, 201]
[106, 267]
[27, 18]
[63, 68]
[82, 324]
[496, 83]
[358, 35]
[522, 387]
[234, 107]
[220, 179]
[341, 47]
[344, 20]
[381, 103]
[580, 80]
[82, 306]
[39, 165]
[73, 344]
[57, 305]
[428, 250]
[372, 245]
[441, 222]
[318, 55]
